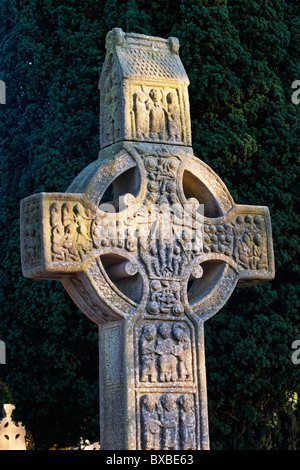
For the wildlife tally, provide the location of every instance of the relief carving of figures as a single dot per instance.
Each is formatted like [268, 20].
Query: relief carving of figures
[83, 229]
[105, 232]
[157, 115]
[166, 362]
[57, 239]
[242, 239]
[70, 231]
[165, 353]
[70, 242]
[148, 353]
[141, 112]
[168, 414]
[259, 260]
[173, 117]
[249, 246]
[182, 350]
[168, 422]
[218, 239]
[187, 423]
[161, 173]
[151, 424]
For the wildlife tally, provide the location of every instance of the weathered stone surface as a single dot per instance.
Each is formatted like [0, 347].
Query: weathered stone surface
[156, 262]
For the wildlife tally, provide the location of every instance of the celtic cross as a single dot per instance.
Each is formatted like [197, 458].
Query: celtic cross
[149, 244]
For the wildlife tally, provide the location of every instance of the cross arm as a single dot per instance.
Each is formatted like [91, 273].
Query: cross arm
[243, 239]
[55, 234]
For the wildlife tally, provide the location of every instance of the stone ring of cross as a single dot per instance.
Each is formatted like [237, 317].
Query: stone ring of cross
[149, 244]
[171, 247]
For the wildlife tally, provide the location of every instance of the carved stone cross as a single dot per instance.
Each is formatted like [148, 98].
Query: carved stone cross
[151, 265]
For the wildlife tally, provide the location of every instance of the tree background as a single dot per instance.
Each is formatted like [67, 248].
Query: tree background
[241, 59]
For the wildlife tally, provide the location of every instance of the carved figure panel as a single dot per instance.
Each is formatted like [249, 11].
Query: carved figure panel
[165, 353]
[157, 114]
[70, 231]
[168, 422]
[243, 240]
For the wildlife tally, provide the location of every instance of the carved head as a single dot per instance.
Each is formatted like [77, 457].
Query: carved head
[149, 332]
[155, 95]
[249, 219]
[140, 97]
[171, 98]
[257, 239]
[66, 208]
[176, 250]
[164, 330]
[186, 402]
[246, 238]
[79, 210]
[149, 402]
[168, 402]
[179, 334]
[258, 220]
[54, 208]
[71, 231]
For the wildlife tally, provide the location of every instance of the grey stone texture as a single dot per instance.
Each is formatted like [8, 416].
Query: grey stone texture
[152, 265]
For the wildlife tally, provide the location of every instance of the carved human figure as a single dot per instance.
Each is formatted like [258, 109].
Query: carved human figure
[67, 214]
[248, 223]
[173, 117]
[70, 241]
[151, 425]
[83, 230]
[226, 239]
[153, 305]
[148, 354]
[165, 250]
[155, 269]
[54, 214]
[157, 115]
[98, 230]
[168, 414]
[166, 361]
[245, 251]
[182, 350]
[176, 261]
[57, 239]
[259, 256]
[141, 112]
[238, 230]
[131, 240]
[187, 423]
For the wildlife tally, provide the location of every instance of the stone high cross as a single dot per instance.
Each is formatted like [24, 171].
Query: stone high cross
[152, 265]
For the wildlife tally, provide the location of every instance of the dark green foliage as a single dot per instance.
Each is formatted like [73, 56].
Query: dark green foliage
[241, 58]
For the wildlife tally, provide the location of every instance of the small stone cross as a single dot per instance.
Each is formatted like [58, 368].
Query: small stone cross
[153, 263]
